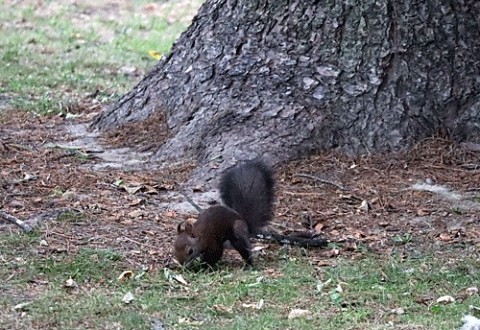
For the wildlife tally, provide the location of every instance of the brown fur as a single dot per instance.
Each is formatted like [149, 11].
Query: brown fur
[205, 239]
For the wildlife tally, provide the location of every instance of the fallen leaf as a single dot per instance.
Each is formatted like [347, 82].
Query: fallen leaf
[323, 285]
[398, 311]
[296, 313]
[445, 300]
[339, 288]
[445, 237]
[128, 70]
[258, 281]
[180, 279]
[136, 202]
[70, 283]
[154, 54]
[184, 320]
[222, 308]
[128, 298]
[126, 275]
[423, 212]
[136, 214]
[170, 214]
[471, 291]
[22, 306]
[364, 206]
[119, 182]
[257, 305]
[150, 190]
[273, 273]
[318, 227]
[132, 190]
[259, 247]
[150, 7]
[324, 263]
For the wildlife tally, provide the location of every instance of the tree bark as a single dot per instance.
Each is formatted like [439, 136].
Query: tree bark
[282, 79]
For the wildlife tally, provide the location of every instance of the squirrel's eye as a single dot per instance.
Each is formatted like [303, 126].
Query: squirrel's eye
[190, 251]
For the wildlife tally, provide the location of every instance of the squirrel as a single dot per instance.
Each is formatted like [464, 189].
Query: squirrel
[247, 192]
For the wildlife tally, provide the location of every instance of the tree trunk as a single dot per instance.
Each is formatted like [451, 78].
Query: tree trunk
[282, 79]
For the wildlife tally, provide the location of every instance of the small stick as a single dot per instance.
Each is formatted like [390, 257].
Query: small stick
[26, 228]
[316, 178]
[195, 205]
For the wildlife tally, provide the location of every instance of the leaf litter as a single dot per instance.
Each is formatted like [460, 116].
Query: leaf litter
[379, 204]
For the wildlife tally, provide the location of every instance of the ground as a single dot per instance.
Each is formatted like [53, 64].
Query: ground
[428, 197]
[404, 229]
[394, 206]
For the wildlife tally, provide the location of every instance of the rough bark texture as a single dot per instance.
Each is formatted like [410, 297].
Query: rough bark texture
[280, 79]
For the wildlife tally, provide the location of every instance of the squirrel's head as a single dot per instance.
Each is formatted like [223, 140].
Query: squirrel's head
[186, 245]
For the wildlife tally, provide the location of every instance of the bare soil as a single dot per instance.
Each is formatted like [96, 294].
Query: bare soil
[411, 203]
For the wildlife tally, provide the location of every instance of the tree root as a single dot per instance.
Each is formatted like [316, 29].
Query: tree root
[312, 241]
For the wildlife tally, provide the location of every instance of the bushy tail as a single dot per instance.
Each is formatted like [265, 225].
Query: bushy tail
[248, 188]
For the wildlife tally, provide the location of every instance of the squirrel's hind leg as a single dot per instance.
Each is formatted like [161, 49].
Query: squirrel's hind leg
[241, 241]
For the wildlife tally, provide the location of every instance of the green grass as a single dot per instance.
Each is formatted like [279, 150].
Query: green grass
[54, 54]
[372, 290]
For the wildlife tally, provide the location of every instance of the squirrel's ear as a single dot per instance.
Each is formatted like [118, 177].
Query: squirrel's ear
[185, 226]
[181, 227]
[189, 227]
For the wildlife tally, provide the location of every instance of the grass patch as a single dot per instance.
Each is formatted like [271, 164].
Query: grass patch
[362, 294]
[57, 53]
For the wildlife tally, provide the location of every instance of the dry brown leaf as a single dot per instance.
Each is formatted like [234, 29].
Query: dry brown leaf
[423, 212]
[444, 237]
[170, 214]
[324, 263]
[136, 202]
[318, 227]
[273, 273]
[126, 275]
[222, 308]
[137, 214]
[132, 190]
[150, 190]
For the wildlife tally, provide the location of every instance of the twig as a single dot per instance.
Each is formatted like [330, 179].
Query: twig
[316, 178]
[195, 205]
[26, 228]
[302, 193]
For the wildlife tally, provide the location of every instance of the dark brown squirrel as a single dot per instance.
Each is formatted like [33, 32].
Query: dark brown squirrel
[247, 191]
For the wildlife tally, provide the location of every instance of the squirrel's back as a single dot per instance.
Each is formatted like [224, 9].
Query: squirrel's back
[248, 188]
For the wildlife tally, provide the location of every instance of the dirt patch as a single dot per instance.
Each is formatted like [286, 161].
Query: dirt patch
[41, 171]
[149, 133]
[363, 204]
